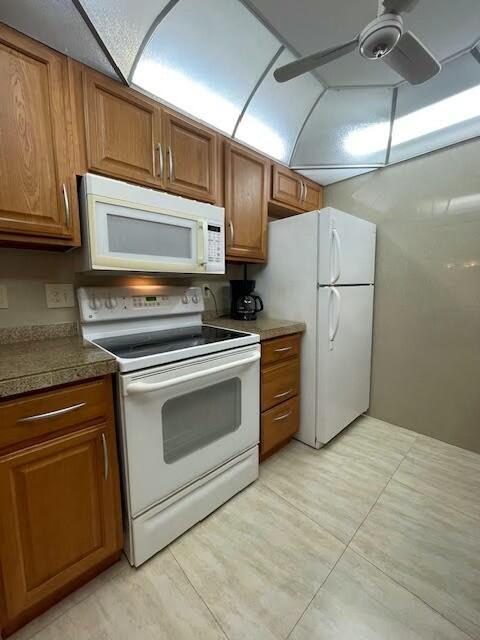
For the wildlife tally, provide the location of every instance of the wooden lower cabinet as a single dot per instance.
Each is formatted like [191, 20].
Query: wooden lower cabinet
[60, 522]
[279, 391]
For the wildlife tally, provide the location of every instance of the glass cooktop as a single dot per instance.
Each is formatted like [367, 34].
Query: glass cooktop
[150, 343]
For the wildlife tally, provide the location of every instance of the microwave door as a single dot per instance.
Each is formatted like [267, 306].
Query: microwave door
[126, 237]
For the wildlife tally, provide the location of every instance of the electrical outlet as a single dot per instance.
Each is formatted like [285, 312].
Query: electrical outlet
[3, 296]
[206, 292]
[59, 295]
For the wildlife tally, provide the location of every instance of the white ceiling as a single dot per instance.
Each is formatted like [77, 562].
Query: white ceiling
[214, 59]
[445, 26]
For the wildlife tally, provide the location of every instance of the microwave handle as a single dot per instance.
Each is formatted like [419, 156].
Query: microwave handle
[146, 387]
[202, 236]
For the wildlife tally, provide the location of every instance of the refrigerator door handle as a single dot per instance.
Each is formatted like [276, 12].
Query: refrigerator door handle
[333, 320]
[336, 251]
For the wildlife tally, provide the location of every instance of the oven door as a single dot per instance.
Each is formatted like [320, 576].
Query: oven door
[181, 421]
[131, 237]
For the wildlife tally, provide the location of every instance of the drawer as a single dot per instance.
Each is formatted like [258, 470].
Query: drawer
[279, 383]
[280, 349]
[279, 424]
[43, 413]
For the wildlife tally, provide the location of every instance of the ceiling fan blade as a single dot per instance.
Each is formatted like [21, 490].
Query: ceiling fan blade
[412, 60]
[399, 6]
[308, 63]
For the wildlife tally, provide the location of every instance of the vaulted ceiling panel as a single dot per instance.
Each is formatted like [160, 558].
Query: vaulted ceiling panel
[334, 134]
[206, 58]
[276, 112]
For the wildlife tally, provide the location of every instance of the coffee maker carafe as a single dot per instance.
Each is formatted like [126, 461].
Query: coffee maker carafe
[244, 303]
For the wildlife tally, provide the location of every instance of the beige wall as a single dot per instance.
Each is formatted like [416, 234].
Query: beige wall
[426, 346]
[26, 272]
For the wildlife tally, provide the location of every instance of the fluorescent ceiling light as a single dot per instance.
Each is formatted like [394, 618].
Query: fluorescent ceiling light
[440, 115]
[194, 98]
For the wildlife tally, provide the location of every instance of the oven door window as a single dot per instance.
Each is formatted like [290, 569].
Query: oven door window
[195, 420]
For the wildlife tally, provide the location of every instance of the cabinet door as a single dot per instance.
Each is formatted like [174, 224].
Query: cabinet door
[246, 201]
[287, 186]
[37, 186]
[123, 130]
[60, 514]
[312, 196]
[190, 158]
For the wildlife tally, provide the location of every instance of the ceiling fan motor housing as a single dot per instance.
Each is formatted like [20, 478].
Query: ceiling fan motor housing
[380, 36]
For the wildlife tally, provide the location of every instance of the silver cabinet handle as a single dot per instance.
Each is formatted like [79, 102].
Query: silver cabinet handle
[66, 205]
[283, 349]
[284, 417]
[282, 395]
[306, 191]
[51, 414]
[160, 159]
[230, 224]
[170, 163]
[105, 456]
[301, 190]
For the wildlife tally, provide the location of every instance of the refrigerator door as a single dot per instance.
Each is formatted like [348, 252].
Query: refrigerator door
[344, 357]
[346, 249]
[288, 287]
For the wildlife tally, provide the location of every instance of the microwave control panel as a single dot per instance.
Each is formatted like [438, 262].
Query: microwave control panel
[215, 248]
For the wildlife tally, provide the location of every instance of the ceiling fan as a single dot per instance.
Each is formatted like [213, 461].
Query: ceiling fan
[382, 39]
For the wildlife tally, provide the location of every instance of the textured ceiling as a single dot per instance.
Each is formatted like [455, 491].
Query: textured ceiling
[214, 59]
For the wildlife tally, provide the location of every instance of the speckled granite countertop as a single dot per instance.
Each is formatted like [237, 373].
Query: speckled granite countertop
[39, 364]
[265, 327]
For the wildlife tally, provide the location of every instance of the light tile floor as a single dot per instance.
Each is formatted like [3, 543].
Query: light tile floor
[374, 537]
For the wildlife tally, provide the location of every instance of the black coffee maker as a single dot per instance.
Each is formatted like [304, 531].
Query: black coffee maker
[244, 303]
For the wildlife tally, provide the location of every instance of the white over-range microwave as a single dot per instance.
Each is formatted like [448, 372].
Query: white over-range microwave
[130, 228]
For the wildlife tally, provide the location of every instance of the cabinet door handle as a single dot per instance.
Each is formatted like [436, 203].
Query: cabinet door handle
[284, 417]
[301, 191]
[51, 414]
[170, 164]
[306, 191]
[230, 224]
[105, 456]
[283, 349]
[66, 205]
[160, 159]
[282, 395]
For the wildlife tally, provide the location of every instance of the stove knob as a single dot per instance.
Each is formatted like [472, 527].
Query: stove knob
[185, 299]
[111, 303]
[94, 303]
[195, 298]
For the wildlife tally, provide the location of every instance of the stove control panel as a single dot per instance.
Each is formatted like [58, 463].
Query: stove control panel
[99, 304]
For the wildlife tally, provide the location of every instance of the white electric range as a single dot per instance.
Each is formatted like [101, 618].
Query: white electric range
[187, 407]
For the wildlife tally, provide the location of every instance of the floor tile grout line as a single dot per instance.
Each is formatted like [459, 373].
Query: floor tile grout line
[436, 499]
[198, 594]
[304, 513]
[415, 595]
[316, 592]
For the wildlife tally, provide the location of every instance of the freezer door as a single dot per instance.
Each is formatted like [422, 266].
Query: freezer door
[344, 356]
[346, 249]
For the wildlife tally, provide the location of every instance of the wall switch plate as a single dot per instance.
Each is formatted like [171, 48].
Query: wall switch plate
[3, 296]
[59, 295]
[206, 291]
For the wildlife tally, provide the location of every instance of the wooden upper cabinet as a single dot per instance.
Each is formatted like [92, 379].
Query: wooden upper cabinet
[287, 186]
[190, 166]
[246, 202]
[293, 192]
[60, 514]
[38, 199]
[123, 131]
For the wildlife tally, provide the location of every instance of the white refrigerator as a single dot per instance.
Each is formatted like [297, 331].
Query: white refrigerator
[321, 270]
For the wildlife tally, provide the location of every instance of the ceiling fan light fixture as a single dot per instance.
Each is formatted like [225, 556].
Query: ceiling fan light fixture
[381, 36]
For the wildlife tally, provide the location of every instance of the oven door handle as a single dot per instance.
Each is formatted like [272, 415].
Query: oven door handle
[146, 387]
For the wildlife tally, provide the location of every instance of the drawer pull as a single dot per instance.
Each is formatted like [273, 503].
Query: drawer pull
[284, 417]
[51, 414]
[282, 395]
[282, 349]
[105, 457]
